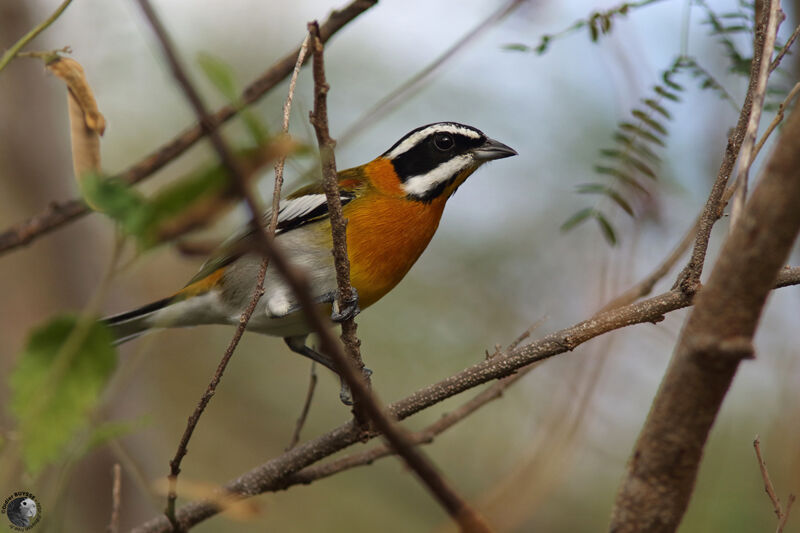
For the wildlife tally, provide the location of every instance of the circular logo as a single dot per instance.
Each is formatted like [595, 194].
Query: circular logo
[23, 510]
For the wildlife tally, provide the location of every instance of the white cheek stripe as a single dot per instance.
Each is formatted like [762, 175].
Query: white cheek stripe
[415, 138]
[423, 183]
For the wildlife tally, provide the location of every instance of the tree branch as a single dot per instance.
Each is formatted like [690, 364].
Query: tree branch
[689, 278]
[275, 473]
[718, 334]
[746, 156]
[58, 214]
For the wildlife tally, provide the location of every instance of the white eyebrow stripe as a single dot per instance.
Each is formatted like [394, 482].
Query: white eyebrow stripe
[423, 183]
[415, 138]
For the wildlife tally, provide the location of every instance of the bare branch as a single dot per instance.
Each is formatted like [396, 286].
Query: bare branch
[718, 334]
[392, 100]
[116, 487]
[301, 420]
[782, 523]
[351, 369]
[58, 214]
[768, 487]
[786, 47]
[273, 474]
[689, 278]
[645, 286]
[746, 156]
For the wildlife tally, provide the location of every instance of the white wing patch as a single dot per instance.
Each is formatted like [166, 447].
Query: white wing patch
[420, 185]
[290, 209]
[293, 211]
[414, 139]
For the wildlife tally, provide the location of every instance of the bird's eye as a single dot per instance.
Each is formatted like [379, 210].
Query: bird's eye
[443, 141]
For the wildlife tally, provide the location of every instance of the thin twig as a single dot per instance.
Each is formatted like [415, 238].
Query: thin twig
[646, 285]
[232, 165]
[777, 119]
[272, 475]
[351, 368]
[768, 487]
[392, 100]
[330, 183]
[746, 156]
[28, 37]
[782, 522]
[782, 52]
[116, 487]
[301, 420]
[689, 279]
[276, 195]
[58, 214]
[287, 110]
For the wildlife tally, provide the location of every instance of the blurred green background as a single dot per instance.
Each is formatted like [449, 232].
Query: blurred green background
[547, 456]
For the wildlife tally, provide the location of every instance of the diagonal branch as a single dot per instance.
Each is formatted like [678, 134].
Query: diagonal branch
[747, 155]
[58, 214]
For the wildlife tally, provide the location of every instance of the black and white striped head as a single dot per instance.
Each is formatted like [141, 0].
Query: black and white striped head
[429, 159]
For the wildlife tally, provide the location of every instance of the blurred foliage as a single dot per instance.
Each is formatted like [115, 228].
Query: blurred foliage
[191, 202]
[634, 157]
[597, 23]
[58, 379]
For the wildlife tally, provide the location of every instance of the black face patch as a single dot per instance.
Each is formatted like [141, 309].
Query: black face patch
[434, 149]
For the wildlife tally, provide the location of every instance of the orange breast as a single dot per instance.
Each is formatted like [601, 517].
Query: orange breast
[386, 239]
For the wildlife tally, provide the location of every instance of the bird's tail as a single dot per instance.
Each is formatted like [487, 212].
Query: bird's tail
[128, 326]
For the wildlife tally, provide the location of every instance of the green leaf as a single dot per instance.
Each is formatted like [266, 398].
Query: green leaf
[639, 132]
[577, 218]
[598, 188]
[57, 381]
[666, 94]
[517, 47]
[116, 199]
[605, 227]
[622, 176]
[220, 74]
[645, 118]
[655, 106]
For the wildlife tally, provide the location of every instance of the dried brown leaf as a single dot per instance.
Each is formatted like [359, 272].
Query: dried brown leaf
[87, 124]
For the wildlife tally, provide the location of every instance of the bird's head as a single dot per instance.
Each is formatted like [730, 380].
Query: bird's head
[434, 160]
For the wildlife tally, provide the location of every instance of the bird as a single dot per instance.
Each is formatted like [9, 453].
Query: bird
[392, 204]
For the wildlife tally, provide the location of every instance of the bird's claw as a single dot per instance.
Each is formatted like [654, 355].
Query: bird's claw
[350, 309]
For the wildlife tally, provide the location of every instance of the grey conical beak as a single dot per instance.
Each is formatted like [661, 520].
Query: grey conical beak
[492, 149]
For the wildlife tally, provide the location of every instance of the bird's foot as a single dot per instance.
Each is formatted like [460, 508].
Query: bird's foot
[350, 309]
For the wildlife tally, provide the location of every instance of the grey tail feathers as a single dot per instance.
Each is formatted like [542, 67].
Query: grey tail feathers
[128, 326]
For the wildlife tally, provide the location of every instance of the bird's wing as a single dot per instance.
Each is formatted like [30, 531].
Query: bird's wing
[302, 207]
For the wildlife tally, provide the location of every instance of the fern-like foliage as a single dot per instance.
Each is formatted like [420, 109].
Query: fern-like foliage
[632, 160]
[598, 23]
[631, 164]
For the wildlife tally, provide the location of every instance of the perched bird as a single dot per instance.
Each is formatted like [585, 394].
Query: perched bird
[393, 205]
